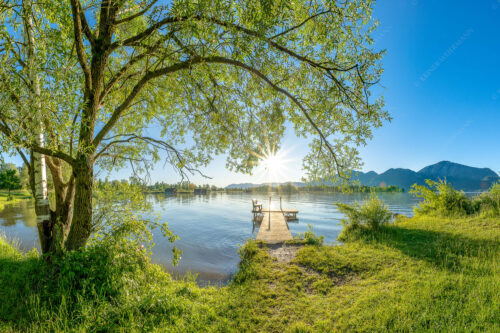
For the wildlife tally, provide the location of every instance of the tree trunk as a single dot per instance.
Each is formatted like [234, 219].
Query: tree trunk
[64, 191]
[81, 226]
[42, 207]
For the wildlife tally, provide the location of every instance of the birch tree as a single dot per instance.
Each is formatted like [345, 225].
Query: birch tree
[38, 160]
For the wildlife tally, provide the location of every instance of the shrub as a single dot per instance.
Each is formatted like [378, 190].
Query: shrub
[441, 199]
[310, 238]
[488, 203]
[122, 217]
[371, 214]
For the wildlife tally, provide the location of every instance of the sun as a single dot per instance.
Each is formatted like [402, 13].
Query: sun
[273, 164]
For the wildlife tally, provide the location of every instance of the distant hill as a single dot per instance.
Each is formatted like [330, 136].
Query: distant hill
[462, 177]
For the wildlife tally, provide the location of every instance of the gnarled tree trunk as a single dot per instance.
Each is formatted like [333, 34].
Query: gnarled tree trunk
[81, 225]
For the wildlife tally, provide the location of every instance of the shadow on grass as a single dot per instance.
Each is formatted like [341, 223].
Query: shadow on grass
[442, 249]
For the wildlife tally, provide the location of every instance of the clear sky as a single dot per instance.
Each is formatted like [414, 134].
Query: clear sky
[441, 85]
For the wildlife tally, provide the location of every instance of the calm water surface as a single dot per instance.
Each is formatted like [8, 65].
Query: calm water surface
[211, 227]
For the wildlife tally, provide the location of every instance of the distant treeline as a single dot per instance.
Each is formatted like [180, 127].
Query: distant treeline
[290, 188]
[181, 187]
[188, 187]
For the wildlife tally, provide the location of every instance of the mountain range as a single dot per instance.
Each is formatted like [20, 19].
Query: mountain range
[462, 177]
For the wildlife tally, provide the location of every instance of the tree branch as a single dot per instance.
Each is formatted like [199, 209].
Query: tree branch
[301, 24]
[80, 47]
[136, 15]
[259, 74]
[85, 26]
[42, 150]
[122, 71]
[188, 64]
[159, 144]
[135, 91]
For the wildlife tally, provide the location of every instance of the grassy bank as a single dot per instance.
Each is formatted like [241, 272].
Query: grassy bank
[419, 274]
[16, 195]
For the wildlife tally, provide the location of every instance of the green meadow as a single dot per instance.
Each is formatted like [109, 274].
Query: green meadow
[419, 274]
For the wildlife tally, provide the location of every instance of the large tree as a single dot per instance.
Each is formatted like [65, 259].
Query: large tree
[125, 81]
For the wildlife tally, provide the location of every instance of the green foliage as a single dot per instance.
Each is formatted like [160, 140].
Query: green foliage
[441, 199]
[122, 217]
[321, 52]
[488, 203]
[9, 180]
[310, 238]
[371, 214]
[248, 266]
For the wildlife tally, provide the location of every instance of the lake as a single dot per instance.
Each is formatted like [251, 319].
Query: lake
[211, 227]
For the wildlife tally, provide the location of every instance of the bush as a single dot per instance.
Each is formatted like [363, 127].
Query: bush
[441, 199]
[310, 238]
[371, 214]
[488, 203]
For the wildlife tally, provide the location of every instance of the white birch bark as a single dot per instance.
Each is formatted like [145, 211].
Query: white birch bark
[40, 172]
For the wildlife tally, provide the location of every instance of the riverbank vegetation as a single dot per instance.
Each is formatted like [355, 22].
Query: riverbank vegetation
[15, 196]
[421, 273]
[292, 188]
[441, 199]
[370, 214]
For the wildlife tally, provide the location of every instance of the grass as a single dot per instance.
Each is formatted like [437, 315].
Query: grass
[420, 274]
[17, 195]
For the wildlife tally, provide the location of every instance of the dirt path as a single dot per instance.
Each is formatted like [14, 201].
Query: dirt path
[283, 252]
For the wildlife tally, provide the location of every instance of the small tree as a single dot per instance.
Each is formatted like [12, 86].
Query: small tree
[9, 180]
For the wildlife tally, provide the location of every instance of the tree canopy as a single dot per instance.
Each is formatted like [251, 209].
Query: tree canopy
[125, 81]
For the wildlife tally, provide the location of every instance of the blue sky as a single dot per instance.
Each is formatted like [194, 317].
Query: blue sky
[441, 85]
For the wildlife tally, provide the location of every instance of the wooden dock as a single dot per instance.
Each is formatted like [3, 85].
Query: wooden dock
[290, 214]
[273, 228]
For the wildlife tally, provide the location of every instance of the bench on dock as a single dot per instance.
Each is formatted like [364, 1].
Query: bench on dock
[257, 208]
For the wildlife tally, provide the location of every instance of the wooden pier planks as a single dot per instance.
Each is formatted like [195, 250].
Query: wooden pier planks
[278, 231]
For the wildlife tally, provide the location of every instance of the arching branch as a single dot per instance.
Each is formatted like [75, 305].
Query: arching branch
[188, 64]
[159, 144]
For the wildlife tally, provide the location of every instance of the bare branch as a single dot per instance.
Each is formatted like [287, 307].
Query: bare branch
[159, 144]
